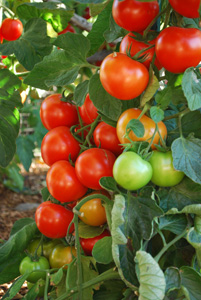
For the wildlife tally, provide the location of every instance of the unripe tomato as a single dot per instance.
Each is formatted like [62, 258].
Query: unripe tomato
[11, 29]
[187, 8]
[88, 111]
[47, 247]
[61, 255]
[88, 244]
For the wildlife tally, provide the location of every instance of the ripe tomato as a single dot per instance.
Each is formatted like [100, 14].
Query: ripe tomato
[164, 173]
[187, 8]
[54, 112]
[149, 126]
[47, 247]
[53, 220]
[62, 182]
[123, 77]
[105, 137]
[58, 144]
[69, 28]
[131, 172]
[134, 15]
[11, 29]
[61, 255]
[92, 164]
[88, 244]
[88, 111]
[178, 48]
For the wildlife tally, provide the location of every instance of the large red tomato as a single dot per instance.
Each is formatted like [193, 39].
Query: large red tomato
[11, 29]
[54, 112]
[88, 244]
[187, 8]
[62, 182]
[93, 164]
[123, 77]
[134, 15]
[53, 220]
[149, 126]
[58, 144]
[88, 111]
[178, 48]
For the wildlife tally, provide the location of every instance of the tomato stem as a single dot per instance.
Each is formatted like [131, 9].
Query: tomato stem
[11, 13]
[79, 265]
[46, 286]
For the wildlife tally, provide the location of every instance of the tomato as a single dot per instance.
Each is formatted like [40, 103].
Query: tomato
[11, 29]
[178, 48]
[164, 173]
[105, 137]
[61, 255]
[123, 77]
[27, 265]
[54, 112]
[93, 211]
[69, 28]
[88, 111]
[39, 287]
[53, 220]
[62, 182]
[92, 164]
[187, 8]
[88, 244]
[47, 247]
[58, 144]
[131, 172]
[134, 15]
[149, 126]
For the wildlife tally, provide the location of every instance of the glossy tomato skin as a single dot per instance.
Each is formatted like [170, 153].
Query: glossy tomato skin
[69, 28]
[54, 112]
[123, 77]
[53, 220]
[47, 247]
[62, 182]
[11, 29]
[105, 137]
[178, 48]
[88, 111]
[92, 164]
[88, 244]
[61, 255]
[133, 15]
[164, 173]
[186, 8]
[58, 144]
[149, 126]
[131, 172]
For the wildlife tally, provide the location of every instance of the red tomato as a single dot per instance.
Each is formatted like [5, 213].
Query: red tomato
[62, 182]
[92, 164]
[178, 48]
[149, 126]
[134, 15]
[53, 220]
[105, 137]
[187, 8]
[88, 244]
[58, 144]
[69, 28]
[11, 29]
[123, 77]
[88, 111]
[54, 112]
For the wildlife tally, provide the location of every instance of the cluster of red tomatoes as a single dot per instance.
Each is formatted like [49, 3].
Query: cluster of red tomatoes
[11, 29]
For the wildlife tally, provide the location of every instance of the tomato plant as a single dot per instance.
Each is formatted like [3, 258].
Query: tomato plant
[88, 111]
[40, 287]
[11, 29]
[88, 244]
[187, 8]
[47, 247]
[61, 255]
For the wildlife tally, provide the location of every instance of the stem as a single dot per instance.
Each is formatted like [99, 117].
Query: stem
[145, 109]
[11, 13]
[162, 237]
[79, 264]
[197, 224]
[46, 286]
[161, 139]
[93, 126]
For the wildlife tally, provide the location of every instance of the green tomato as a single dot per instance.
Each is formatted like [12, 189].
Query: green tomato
[131, 172]
[47, 247]
[164, 173]
[27, 265]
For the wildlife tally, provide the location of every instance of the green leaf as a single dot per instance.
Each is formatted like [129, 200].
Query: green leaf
[14, 179]
[150, 90]
[191, 85]
[164, 97]
[102, 250]
[173, 279]
[175, 223]
[87, 231]
[136, 126]
[25, 147]
[109, 184]
[151, 277]
[57, 277]
[191, 281]
[90, 1]
[157, 114]
[194, 238]
[10, 268]
[45, 193]
[80, 93]
[186, 157]
[15, 287]
[114, 31]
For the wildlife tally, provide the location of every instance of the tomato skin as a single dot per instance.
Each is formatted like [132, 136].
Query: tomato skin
[69, 28]
[88, 244]
[28, 265]
[105, 137]
[178, 48]
[58, 144]
[62, 182]
[11, 29]
[164, 173]
[53, 220]
[61, 255]
[186, 8]
[47, 247]
[123, 77]
[131, 172]
[149, 126]
[133, 15]
[54, 112]
[88, 111]
[92, 164]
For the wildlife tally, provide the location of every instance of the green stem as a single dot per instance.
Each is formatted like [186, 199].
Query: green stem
[161, 138]
[197, 224]
[162, 238]
[79, 264]
[93, 126]
[167, 17]
[11, 13]
[46, 286]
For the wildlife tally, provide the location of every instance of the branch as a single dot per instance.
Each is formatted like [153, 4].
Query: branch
[98, 56]
[81, 22]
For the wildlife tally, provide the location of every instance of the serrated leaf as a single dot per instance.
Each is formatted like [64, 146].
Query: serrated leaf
[80, 93]
[175, 223]
[191, 281]
[150, 90]
[194, 238]
[15, 287]
[57, 277]
[25, 147]
[109, 184]
[87, 231]
[157, 114]
[173, 279]
[164, 97]
[102, 250]
[191, 86]
[136, 126]
[114, 31]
